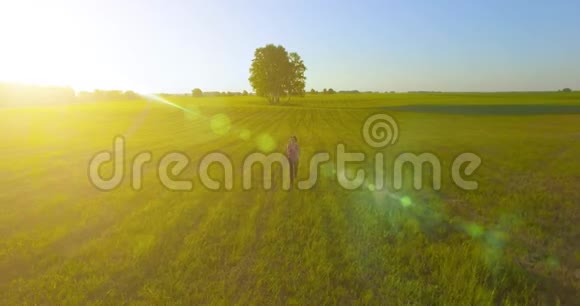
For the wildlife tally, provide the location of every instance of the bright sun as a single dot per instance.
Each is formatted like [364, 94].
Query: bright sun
[49, 44]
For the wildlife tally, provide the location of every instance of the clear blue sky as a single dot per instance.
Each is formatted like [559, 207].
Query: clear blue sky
[173, 46]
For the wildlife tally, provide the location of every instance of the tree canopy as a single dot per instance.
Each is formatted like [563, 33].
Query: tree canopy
[196, 92]
[275, 73]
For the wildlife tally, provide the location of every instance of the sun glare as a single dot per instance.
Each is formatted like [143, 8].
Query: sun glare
[45, 43]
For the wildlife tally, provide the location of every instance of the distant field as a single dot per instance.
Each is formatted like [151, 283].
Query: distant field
[398, 99]
[514, 241]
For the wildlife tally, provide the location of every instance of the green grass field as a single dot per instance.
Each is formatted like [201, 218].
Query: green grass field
[513, 241]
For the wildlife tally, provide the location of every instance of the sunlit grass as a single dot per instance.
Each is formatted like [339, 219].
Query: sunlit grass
[64, 242]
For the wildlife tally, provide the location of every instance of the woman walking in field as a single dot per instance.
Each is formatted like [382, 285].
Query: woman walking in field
[293, 152]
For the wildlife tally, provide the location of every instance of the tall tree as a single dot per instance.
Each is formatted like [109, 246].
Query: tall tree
[275, 73]
[196, 92]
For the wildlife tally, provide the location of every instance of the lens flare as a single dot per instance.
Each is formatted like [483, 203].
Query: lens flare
[406, 201]
[167, 102]
[266, 143]
[220, 124]
[193, 113]
[474, 230]
[245, 134]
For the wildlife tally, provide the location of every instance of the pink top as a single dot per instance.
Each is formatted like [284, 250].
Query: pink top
[293, 151]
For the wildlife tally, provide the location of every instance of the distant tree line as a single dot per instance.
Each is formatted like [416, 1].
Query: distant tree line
[107, 95]
[29, 95]
[196, 92]
[12, 95]
[325, 91]
[331, 91]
